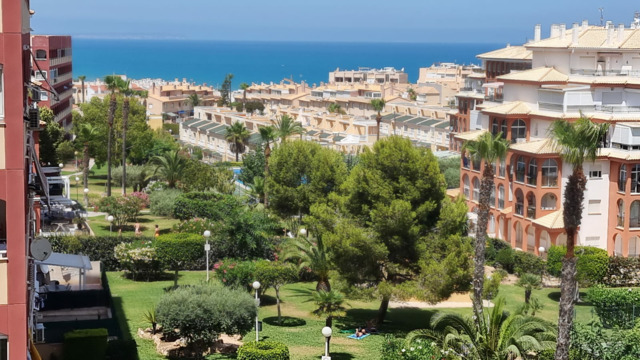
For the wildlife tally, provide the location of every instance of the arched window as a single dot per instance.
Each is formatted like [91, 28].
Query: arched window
[621, 213]
[502, 169]
[503, 128]
[465, 186]
[635, 179]
[476, 189]
[519, 235]
[518, 130]
[500, 197]
[548, 202]
[495, 128]
[617, 245]
[492, 199]
[532, 173]
[520, 166]
[531, 205]
[634, 246]
[622, 178]
[492, 224]
[634, 214]
[550, 173]
[519, 202]
[531, 239]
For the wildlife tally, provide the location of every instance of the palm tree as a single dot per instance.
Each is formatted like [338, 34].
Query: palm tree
[335, 108]
[256, 190]
[412, 94]
[329, 304]
[268, 134]
[82, 79]
[529, 282]
[244, 86]
[311, 254]
[489, 148]
[86, 134]
[378, 105]
[237, 136]
[112, 85]
[500, 336]
[287, 126]
[170, 166]
[194, 100]
[124, 88]
[576, 143]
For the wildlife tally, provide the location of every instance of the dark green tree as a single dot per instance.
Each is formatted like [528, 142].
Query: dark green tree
[52, 135]
[170, 167]
[237, 136]
[225, 90]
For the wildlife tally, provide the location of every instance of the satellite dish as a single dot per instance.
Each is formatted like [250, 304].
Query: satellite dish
[41, 249]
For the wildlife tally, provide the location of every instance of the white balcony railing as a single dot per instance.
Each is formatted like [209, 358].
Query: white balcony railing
[60, 60]
[62, 78]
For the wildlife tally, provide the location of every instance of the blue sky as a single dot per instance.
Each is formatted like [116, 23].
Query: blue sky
[497, 21]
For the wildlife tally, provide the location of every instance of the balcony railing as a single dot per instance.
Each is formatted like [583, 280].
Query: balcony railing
[617, 109]
[531, 212]
[63, 114]
[62, 78]
[60, 60]
[62, 96]
[618, 72]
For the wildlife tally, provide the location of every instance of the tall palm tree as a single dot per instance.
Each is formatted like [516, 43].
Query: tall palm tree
[244, 86]
[112, 85]
[576, 143]
[170, 166]
[499, 337]
[286, 126]
[86, 134]
[124, 88]
[529, 282]
[378, 105]
[82, 78]
[194, 100]
[237, 136]
[489, 148]
[310, 253]
[268, 135]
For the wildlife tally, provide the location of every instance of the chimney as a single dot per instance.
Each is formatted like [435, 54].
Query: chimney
[609, 34]
[536, 33]
[554, 31]
[608, 24]
[575, 33]
[585, 24]
[563, 31]
[620, 33]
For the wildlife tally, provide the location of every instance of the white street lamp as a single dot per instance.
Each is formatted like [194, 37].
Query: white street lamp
[110, 220]
[326, 332]
[207, 248]
[86, 198]
[541, 251]
[77, 179]
[61, 165]
[256, 286]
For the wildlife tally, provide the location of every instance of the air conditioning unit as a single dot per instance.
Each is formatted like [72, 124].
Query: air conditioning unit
[34, 119]
[35, 96]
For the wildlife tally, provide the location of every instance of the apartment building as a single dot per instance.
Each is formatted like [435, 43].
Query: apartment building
[387, 75]
[582, 70]
[443, 79]
[53, 68]
[173, 99]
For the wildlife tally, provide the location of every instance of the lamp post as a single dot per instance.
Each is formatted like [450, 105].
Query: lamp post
[75, 153]
[77, 179]
[303, 232]
[110, 219]
[326, 332]
[256, 286]
[86, 197]
[207, 248]
[541, 251]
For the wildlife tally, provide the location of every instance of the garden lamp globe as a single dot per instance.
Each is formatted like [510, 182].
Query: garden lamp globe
[326, 331]
[256, 285]
[207, 233]
[303, 232]
[86, 190]
[541, 249]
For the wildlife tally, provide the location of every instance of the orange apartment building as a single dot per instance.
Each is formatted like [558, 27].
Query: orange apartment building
[589, 70]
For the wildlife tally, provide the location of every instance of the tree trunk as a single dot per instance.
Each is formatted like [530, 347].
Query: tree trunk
[267, 154]
[527, 295]
[85, 172]
[278, 304]
[378, 120]
[175, 279]
[125, 119]
[382, 311]
[481, 233]
[323, 285]
[237, 153]
[112, 112]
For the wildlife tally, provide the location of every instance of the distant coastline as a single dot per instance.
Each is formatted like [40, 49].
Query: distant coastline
[206, 61]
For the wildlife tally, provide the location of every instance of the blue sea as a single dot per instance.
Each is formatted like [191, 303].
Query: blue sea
[209, 61]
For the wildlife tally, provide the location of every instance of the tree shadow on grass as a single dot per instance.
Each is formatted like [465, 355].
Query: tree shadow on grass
[287, 321]
[341, 356]
[398, 321]
[555, 297]
[301, 292]
[266, 300]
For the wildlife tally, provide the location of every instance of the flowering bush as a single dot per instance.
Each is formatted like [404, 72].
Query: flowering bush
[123, 208]
[139, 263]
[236, 273]
[144, 198]
[397, 349]
[194, 226]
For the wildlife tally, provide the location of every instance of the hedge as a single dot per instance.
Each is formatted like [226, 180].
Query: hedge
[263, 350]
[88, 344]
[592, 265]
[204, 205]
[97, 248]
[615, 307]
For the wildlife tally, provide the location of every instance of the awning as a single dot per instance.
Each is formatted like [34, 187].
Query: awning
[493, 85]
[68, 260]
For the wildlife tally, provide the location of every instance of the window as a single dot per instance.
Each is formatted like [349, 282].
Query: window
[4, 347]
[634, 246]
[502, 169]
[495, 128]
[492, 199]
[622, 178]
[635, 178]
[548, 202]
[595, 172]
[594, 207]
[550, 173]
[41, 54]
[519, 236]
[620, 213]
[520, 165]
[500, 197]
[519, 202]
[518, 130]
[634, 214]
[476, 189]
[531, 205]
[465, 182]
[532, 174]
[503, 129]
[41, 75]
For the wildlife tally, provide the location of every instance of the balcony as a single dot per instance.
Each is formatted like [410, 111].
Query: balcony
[531, 212]
[617, 109]
[63, 96]
[62, 78]
[62, 115]
[60, 60]
[601, 72]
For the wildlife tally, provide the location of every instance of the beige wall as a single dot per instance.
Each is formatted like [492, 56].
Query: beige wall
[3, 282]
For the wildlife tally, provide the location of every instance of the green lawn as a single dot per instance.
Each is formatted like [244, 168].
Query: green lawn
[100, 225]
[302, 333]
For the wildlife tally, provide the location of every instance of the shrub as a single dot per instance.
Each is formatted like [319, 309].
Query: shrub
[87, 344]
[235, 273]
[615, 307]
[139, 263]
[592, 264]
[623, 271]
[263, 350]
[175, 128]
[123, 208]
[201, 313]
[397, 349]
[204, 205]
[246, 234]
[163, 202]
[505, 259]
[144, 198]
[194, 226]
[181, 252]
[97, 248]
[493, 246]
[252, 106]
[137, 176]
[525, 262]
